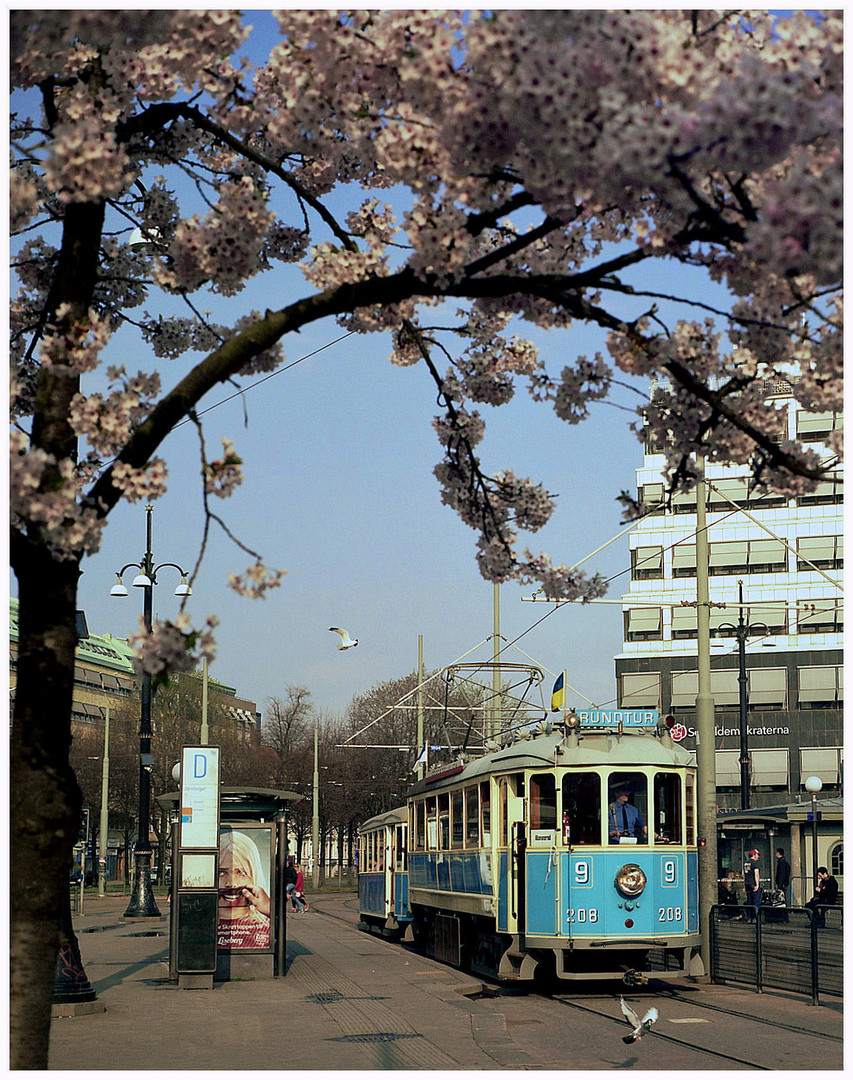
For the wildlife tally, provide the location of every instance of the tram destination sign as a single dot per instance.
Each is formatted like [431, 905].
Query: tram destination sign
[611, 718]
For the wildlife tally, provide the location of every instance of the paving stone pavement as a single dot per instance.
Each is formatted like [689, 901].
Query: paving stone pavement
[348, 1001]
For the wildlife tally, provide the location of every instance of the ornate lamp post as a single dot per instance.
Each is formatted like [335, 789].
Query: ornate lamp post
[142, 903]
[741, 632]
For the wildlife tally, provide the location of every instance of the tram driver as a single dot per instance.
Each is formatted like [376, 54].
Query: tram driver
[625, 819]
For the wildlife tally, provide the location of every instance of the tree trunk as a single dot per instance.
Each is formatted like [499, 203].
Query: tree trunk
[45, 799]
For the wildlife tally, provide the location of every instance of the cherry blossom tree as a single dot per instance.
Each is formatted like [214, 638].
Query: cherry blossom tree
[550, 163]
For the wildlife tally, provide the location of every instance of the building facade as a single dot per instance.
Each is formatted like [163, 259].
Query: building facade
[785, 558]
[104, 678]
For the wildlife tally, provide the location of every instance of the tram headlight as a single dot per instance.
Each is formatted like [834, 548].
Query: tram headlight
[630, 880]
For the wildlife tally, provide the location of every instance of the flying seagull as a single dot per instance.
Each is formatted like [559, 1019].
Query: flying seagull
[346, 641]
[640, 1026]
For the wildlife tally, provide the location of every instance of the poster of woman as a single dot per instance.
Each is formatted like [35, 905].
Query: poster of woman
[244, 889]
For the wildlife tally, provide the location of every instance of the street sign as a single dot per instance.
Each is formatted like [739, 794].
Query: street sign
[200, 797]
[607, 718]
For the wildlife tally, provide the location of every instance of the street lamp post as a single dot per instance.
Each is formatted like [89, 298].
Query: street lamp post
[741, 632]
[813, 786]
[142, 903]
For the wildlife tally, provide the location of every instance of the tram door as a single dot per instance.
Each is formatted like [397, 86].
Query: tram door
[513, 844]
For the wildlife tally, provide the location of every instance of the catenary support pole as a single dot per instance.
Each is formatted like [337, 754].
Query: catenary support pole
[103, 835]
[496, 711]
[421, 738]
[315, 819]
[706, 811]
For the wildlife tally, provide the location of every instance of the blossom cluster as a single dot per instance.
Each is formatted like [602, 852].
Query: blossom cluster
[224, 474]
[44, 499]
[107, 421]
[172, 646]
[256, 581]
[224, 247]
[74, 344]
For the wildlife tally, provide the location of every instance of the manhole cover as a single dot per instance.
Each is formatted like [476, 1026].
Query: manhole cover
[376, 1036]
[330, 996]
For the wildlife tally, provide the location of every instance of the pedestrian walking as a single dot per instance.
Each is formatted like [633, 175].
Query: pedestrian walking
[752, 881]
[290, 879]
[298, 894]
[783, 875]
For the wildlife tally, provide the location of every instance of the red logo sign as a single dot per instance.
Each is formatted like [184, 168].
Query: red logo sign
[679, 731]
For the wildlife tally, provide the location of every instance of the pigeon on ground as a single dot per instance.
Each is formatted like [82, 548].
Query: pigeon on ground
[346, 641]
[640, 1026]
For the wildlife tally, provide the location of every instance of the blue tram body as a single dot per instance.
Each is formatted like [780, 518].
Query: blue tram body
[383, 880]
[525, 857]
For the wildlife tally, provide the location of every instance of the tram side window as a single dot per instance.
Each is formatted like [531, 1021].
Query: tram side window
[667, 819]
[458, 821]
[472, 818]
[582, 806]
[419, 829]
[542, 801]
[443, 822]
[689, 789]
[380, 850]
[486, 813]
[627, 805]
[432, 824]
[400, 849]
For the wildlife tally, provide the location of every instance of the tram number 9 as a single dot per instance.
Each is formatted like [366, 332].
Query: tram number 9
[582, 915]
[581, 872]
[669, 872]
[670, 914]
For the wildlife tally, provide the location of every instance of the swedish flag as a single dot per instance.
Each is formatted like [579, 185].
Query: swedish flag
[558, 694]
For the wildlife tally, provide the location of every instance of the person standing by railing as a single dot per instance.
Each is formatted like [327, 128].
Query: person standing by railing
[783, 875]
[752, 881]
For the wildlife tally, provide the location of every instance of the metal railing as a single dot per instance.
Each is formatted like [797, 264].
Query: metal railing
[796, 949]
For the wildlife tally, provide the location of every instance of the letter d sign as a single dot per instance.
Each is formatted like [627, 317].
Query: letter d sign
[199, 766]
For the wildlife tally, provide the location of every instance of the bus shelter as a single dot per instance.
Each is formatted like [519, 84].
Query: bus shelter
[251, 927]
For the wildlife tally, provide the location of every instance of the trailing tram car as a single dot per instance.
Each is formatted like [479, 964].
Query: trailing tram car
[572, 851]
[383, 888]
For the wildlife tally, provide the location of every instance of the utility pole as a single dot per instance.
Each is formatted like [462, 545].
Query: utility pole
[496, 710]
[205, 730]
[421, 739]
[105, 808]
[706, 810]
[315, 821]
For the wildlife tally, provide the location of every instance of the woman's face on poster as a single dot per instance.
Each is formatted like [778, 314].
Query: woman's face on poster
[234, 875]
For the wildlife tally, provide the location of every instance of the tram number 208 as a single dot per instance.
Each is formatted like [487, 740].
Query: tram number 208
[582, 915]
[670, 914]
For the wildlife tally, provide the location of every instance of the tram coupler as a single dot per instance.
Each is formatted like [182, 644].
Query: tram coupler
[634, 978]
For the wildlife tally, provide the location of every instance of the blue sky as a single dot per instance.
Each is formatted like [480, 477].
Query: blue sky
[338, 453]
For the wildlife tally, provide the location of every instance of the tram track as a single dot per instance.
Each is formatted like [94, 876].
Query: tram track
[674, 995]
[672, 1039]
[662, 993]
[723, 1037]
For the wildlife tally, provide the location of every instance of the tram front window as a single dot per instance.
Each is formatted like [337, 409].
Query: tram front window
[542, 797]
[667, 818]
[626, 809]
[581, 808]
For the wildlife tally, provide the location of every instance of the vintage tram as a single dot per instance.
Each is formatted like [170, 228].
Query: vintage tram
[383, 893]
[572, 851]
